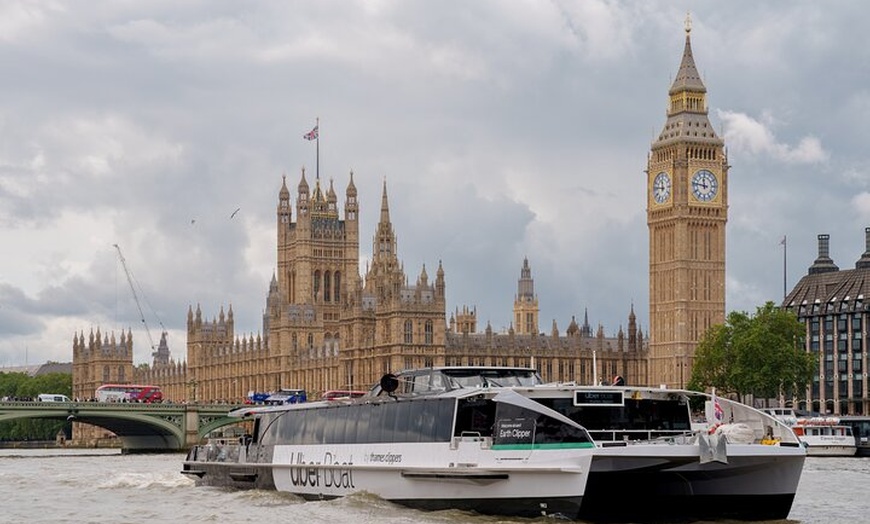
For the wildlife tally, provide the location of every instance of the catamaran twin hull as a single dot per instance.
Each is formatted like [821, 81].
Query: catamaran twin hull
[496, 440]
[665, 483]
[660, 481]
[465, 474]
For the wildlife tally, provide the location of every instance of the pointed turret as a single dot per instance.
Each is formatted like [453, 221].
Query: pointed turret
[687, 78]
[525, 302]
[439, 282]
[632, 330]
[687, 111]
[586, 329]
[302, 188]
[284, 193]
[385, 206]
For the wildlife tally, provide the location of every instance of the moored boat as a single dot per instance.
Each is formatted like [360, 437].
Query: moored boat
[826, 437]
[498, 441]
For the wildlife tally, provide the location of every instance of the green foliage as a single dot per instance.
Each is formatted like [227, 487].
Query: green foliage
[23, 386]
[762, 355]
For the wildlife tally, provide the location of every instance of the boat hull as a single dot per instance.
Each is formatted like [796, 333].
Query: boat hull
[831, 450]
[668, 485]
[462, 475]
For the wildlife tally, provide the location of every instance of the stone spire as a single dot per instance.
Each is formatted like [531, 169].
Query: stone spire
[687, 78]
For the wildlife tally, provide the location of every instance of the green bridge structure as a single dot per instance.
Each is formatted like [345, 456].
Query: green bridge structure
[141, 428]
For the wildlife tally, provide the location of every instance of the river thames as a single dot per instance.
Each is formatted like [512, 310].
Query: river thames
[99, 486]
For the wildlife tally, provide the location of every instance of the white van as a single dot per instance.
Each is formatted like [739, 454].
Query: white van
[46, 397]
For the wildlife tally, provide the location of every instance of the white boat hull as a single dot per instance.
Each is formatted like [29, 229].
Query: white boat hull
[822, 449]
[432, 476]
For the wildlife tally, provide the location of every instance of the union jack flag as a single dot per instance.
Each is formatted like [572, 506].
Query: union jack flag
[311, 135]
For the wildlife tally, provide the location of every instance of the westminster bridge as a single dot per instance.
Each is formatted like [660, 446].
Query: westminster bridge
[140, 427]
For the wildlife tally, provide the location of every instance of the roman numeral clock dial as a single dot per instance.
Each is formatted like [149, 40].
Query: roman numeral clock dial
[704, 185]
[661, 188]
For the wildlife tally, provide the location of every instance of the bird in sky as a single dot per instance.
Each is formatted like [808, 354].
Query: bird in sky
[234, 212]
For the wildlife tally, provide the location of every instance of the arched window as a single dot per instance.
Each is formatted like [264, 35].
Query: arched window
[316, 288]
[336, 286]
[106, 374]
[409, 332]
[327, 281]
[121, 377]
[429, 336]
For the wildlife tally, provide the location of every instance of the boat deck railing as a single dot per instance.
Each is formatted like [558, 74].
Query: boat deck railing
[628, 436]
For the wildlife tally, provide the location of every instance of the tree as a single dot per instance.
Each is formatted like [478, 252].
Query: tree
[762, 355]
[23, 386]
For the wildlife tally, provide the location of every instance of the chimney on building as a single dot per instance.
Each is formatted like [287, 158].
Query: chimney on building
[864, 261]
[823, 264]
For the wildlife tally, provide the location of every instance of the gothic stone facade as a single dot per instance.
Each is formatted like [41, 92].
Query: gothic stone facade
[326, 327]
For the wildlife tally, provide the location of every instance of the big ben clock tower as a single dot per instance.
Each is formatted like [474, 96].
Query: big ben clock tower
[687, 207]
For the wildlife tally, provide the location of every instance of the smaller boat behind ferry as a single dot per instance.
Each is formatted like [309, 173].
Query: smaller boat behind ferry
[822, 436]
[826, 437]
[499, 441]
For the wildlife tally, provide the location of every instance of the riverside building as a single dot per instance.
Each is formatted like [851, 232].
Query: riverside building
[833, 305]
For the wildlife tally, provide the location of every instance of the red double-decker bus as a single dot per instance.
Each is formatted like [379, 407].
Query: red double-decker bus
[129, 393]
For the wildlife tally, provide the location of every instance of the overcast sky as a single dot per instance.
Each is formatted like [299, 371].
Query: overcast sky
[503, 129]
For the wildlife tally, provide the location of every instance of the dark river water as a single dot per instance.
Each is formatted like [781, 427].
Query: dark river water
[78, 486]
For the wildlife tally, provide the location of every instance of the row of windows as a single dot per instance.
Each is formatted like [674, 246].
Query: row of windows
[428, 420]
[428, 331]
[409, 420]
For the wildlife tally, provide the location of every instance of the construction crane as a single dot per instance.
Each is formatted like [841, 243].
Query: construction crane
[138, 304]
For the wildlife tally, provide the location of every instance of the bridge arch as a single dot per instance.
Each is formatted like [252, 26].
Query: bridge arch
[140, 427]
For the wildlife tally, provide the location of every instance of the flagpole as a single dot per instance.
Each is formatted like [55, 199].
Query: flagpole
[784, 267]
[317, 127]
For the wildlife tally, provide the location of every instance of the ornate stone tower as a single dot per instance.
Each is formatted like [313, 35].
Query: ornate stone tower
[318, 267]
[526, 303]
[102, 359]
[687, 207]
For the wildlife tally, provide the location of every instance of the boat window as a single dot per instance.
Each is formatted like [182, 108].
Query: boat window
[638, 419]
[363, 417]
[423, 420]
[475, 416]
[517, 427]
[402, 431]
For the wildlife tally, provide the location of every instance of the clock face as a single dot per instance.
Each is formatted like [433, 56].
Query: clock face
[704, 185]
[661, 187]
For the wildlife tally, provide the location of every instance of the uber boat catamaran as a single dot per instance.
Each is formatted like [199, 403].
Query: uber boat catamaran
[497, 440]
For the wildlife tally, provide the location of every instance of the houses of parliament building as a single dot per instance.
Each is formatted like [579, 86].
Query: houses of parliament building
[327, 327]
